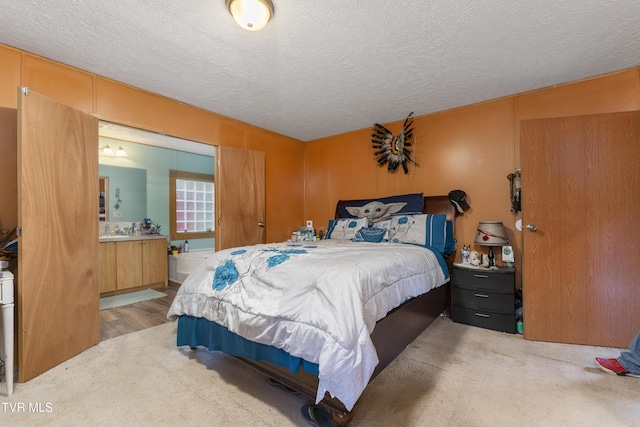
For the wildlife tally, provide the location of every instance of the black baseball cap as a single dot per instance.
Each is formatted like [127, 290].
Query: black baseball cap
[459, 200]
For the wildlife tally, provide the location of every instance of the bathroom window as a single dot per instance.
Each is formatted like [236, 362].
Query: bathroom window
[192, 202]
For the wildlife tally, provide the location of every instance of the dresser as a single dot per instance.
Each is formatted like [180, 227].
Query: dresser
[483, 297]
[7, 305]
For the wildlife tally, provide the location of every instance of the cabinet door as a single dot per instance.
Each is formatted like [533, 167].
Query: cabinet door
[107, 267]
[129, 264]
[154, 262]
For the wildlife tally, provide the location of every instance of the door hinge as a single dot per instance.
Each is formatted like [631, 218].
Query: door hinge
[18, 231]
[25, 90]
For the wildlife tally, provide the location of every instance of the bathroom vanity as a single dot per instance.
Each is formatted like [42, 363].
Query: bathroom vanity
[130, 263]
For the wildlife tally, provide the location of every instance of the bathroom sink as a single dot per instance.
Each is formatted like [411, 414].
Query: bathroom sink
[113, 237]
[144, 237]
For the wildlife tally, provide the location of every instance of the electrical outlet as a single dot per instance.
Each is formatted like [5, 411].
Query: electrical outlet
[309, 223]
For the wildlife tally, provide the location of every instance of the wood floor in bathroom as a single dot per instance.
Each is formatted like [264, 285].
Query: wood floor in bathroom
[135, 317]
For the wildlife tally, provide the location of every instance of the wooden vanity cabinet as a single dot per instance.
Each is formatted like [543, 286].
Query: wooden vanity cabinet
[155, 268]
[129, 264]
[132, 264]
[108, 267]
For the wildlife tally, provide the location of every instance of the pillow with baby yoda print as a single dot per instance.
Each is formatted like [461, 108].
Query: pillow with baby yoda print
[424, 230]
[345, 229]
[377, 210]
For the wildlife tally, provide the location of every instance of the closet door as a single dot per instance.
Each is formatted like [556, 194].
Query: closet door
[240, 186]
[58, 285]
[580, 189]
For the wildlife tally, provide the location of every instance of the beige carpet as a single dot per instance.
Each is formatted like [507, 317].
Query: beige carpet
[452, 375]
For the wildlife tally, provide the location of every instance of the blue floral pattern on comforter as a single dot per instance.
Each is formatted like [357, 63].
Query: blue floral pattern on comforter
[318, 302]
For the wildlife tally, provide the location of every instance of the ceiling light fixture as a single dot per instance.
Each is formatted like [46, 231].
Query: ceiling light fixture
[251, 15]
[106, 150]
[121, 152]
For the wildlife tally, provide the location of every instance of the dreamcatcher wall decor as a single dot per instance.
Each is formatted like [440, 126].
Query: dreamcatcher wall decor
[393, 150]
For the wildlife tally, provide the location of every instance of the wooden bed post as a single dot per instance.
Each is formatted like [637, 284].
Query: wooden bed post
[342, 419]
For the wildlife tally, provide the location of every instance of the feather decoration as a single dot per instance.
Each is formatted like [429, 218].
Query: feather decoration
[393, 150]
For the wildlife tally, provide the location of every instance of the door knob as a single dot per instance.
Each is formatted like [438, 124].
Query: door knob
[261, 224]
[532, 227]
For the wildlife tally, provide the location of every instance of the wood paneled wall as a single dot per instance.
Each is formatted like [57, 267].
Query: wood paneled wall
[8, 169]
[119, 103]
[472, 148]
[10, 61]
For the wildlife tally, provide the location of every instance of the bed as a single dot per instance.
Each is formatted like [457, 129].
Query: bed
[288, 310]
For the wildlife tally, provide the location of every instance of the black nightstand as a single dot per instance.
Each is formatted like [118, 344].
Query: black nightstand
[483, 297]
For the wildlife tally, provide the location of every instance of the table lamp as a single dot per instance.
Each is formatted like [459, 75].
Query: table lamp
[491, 233]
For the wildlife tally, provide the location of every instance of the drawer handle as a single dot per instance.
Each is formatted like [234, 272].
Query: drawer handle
[482, 315]
[481, 295]
[481, 276]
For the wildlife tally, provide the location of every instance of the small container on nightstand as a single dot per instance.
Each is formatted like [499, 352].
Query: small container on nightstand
[484, 297]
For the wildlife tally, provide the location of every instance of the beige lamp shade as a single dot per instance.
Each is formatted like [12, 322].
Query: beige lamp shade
[491, 233]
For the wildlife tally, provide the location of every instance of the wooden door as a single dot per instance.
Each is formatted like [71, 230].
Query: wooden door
[240, 178]
[58, 286]
[129, 264]
[154, 262]
[581, 268]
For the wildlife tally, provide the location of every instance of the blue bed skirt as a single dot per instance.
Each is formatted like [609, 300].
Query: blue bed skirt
[197, 331]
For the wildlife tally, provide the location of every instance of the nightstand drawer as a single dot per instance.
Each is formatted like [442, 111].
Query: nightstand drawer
[501, 281]
[485, 319]
[480, 300]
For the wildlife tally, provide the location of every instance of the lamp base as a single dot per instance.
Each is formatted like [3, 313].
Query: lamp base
[492, 258]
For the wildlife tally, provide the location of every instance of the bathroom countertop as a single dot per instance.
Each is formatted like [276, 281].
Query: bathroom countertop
[104, 239]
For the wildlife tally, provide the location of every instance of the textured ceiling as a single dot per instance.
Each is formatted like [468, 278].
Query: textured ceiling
[326, 67]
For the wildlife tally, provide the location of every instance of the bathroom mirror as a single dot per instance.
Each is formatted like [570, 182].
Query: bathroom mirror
[126, 195]
[138, 164]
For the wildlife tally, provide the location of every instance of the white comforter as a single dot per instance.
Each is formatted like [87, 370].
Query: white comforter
[318, 301]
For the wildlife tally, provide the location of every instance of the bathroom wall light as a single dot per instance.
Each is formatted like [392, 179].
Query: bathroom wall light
[108, 151]
[251, 15]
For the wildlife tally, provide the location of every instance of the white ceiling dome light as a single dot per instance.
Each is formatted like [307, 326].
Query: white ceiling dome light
[251, 15]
